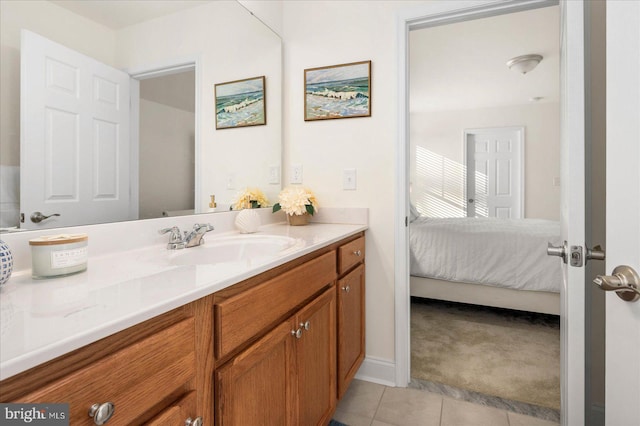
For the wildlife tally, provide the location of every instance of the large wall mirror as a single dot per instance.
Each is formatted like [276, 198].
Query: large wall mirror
[164, 157]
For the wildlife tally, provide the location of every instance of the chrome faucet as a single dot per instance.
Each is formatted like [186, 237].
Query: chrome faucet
[192, 239]
[175, 239]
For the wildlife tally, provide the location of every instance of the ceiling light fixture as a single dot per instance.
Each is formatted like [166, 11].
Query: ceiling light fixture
[525, 63]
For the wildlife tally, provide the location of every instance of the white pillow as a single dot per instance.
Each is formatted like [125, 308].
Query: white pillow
[413, 212]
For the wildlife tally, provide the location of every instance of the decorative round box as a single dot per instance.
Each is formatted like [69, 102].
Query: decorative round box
[6, 262]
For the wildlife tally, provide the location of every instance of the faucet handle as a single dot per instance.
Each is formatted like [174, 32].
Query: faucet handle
[176, 235]
[203, 226]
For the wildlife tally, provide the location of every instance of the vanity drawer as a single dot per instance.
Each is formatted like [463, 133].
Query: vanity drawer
[250, 313]
[350, 254]
[135, 380]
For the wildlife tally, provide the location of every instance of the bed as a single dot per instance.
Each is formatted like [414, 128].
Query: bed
[486, 261]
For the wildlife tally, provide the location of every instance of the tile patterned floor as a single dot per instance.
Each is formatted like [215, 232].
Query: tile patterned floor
[371, 404]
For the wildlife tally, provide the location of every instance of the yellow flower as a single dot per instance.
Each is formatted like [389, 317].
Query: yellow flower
[250, 198]
[296, 201]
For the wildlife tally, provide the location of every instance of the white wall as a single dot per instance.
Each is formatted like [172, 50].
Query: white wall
[440, 133]
[44, 18]
[166, 159]
[269, 12]
[203, 32]
[329, 33]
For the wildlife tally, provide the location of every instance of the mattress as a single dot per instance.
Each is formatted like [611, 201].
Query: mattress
[500, 252]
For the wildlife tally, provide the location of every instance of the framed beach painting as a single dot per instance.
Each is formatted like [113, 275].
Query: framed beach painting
[241, 103]
[337, 91]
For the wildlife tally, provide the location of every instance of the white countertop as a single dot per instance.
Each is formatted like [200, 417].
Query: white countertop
[43, 319]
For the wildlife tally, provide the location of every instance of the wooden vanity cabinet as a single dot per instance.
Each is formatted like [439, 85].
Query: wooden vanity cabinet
[287, 377]
[275, 345]
[148, 374]
[351, 312]
[276, 349]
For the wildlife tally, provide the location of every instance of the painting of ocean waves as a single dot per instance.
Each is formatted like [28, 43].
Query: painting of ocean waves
[340, 91]
[240, 103]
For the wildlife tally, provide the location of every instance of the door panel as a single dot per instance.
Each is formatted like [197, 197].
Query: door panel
[75, 153]
[317, 360]
[494, 159]
[623, 207]
[572, 201]
[255, 386]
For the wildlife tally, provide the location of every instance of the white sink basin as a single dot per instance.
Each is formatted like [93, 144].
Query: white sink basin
[233, 249]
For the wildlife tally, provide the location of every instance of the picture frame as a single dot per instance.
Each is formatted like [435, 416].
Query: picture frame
[337, 91]
[241, 103]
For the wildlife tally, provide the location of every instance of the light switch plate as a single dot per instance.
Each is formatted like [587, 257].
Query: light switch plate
[349, 179]
[274, 175]
[296, 173]
[231, 181]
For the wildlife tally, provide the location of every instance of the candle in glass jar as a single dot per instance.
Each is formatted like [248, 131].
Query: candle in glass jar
[58, 255]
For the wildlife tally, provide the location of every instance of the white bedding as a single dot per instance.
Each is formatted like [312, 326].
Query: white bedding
[500, 252]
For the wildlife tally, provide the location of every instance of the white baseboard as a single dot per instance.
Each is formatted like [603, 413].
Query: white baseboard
[377, 370]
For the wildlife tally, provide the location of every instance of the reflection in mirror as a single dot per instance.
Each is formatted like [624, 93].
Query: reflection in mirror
[175, 51]
[167, 145]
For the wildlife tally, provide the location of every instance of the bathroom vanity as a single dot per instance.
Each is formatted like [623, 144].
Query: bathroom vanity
[274, 342]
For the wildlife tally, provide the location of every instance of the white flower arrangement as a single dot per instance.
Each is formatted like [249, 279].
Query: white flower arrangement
[296, 201]
[250, 198]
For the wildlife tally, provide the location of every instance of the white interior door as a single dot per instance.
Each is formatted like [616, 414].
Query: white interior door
[623, 209]
[572, 165]
[495, 172]
[75, 155]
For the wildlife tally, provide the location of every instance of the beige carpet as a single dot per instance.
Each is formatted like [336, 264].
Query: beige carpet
[502, 353]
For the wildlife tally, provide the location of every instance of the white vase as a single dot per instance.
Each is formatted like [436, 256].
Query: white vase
[247, 221]
[6, 262]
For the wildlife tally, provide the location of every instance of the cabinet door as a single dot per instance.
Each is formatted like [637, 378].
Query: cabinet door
[255, 387]
[351, 345]
[316, 356]
[177, 413]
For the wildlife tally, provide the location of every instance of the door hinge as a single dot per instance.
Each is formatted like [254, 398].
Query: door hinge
[406, 221]
[21, 217]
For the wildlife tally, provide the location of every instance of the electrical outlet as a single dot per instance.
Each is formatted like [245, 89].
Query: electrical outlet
[274, 175]
[349, 179]
[296, 173]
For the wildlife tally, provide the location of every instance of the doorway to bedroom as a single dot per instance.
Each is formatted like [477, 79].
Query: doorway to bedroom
[485, 297]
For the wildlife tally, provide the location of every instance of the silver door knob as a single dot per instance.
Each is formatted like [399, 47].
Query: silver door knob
[297, 333]
[595, 253]
[560, 251]
[101, 413]
[192, 422]
[37, 217]
[623, 280]
[347, 289]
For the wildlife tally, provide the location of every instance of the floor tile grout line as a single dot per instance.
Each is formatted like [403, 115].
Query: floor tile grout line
[375, 413]
[441, 409]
